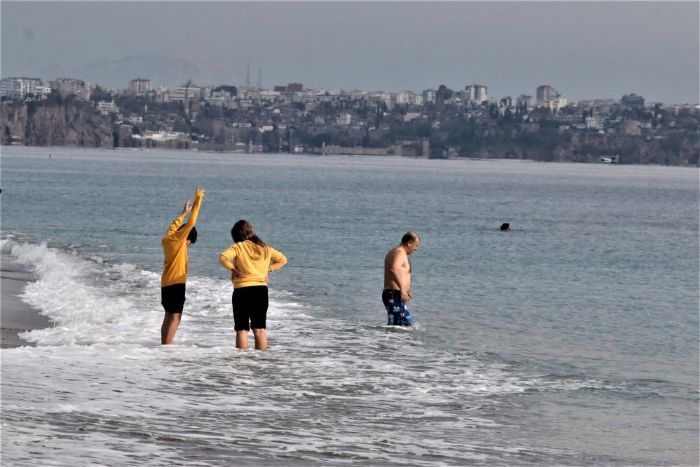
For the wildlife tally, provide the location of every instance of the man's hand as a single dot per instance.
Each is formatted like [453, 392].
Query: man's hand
[187, 207]
[405, 296]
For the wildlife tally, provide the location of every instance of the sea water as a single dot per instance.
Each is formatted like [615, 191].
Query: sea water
[572, 339]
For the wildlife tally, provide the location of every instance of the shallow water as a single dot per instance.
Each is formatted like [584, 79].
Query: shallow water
[571, 340]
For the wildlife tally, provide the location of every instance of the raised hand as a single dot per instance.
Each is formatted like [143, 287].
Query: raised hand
[187, 207]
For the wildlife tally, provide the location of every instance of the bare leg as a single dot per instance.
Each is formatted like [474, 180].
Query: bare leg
[242, 339]
[260, 338]
[167, 331]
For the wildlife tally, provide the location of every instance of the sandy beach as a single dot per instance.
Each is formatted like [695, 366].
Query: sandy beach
[16, 315]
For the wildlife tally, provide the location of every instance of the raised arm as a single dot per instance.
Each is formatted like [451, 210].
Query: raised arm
[194, 213]
[177, 222]
[198, 198]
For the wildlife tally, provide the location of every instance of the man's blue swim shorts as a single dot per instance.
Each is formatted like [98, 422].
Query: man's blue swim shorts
[397, 313]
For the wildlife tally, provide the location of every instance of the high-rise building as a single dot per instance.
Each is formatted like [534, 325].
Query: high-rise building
[480, 93]
[476, 93]
[632, 101]
[140, 86]
[545, 93]
[550, 98]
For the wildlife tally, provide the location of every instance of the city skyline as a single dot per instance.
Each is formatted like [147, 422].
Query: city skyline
[584, 50]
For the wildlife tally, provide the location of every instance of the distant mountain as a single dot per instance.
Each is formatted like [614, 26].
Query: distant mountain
[168, 71]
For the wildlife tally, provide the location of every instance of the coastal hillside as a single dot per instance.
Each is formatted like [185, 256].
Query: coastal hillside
[69, 124]
[643, 135]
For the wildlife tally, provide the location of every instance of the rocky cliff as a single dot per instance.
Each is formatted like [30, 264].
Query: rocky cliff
[54, 125]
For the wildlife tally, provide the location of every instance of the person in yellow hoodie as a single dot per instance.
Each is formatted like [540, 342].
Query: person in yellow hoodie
[175, 243]
[250, 260]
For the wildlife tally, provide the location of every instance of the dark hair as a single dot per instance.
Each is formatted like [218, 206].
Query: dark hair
[409, 237]
[243, 230]
[505, 226]
[192, 236]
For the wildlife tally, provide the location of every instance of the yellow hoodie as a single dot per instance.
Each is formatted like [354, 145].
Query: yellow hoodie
[175, 246]
[252, 260]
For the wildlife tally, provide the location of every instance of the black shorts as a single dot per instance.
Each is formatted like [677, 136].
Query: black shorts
[172, 297]
[249, 307]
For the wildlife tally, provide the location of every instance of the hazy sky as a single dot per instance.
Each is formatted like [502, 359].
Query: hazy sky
[584, 49]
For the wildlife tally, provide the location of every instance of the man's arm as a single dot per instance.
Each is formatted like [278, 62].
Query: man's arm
[399, 269]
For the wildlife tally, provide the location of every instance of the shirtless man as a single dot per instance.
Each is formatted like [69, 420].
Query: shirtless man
[397, 281]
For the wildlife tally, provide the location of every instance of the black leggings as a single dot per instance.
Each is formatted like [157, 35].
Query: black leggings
[249, 307]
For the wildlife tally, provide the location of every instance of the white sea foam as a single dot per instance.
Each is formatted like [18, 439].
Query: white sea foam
[91, 302]
[328, 391]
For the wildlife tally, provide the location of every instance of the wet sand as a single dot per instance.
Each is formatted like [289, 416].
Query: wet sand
[16, 315]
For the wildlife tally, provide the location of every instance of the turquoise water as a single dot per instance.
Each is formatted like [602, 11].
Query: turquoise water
[572, 339]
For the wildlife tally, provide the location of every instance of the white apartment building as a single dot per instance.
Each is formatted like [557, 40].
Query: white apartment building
[595, 123]
[344, 119]
[106, 108]
[42, 92]
[410, 116]
[182, 93]
[545, 93]
[140, 86]
[480, 93]
[402, 98]
[408, 98]
[476, 93]
[68, 86]
[556, 103]
[10, 88]
[220, 98]
[20, 88]
[382, 97]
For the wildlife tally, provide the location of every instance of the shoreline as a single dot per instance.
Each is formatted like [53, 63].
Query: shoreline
[395, 156]
[16, 315]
